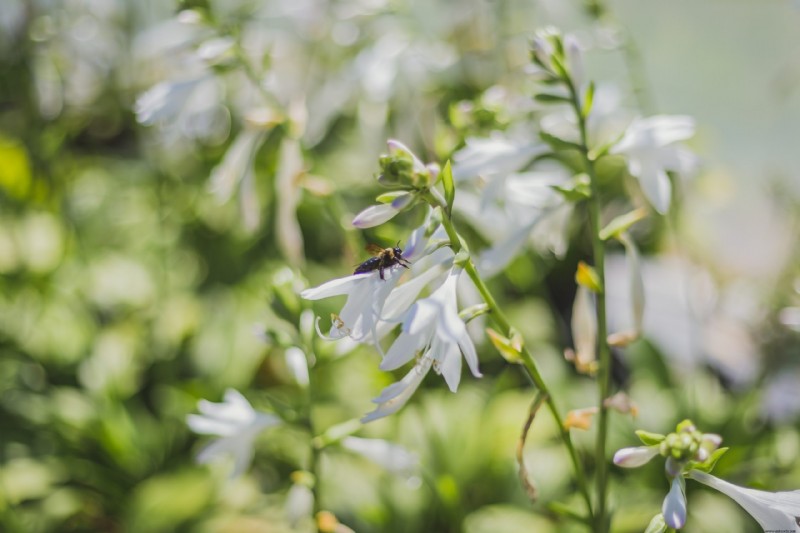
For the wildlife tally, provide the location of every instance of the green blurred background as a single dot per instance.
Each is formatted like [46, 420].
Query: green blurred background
[129, 290]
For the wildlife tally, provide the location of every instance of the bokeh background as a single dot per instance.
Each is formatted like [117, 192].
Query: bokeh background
[171, 174]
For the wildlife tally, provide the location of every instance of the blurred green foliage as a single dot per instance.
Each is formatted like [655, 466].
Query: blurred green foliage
[128, 292]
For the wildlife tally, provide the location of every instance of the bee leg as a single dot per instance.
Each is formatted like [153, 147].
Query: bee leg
[382, 273]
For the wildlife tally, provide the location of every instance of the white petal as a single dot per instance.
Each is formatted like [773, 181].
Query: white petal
[396, 395]
[230, 171]
[772, 510]
[468, 349]
[667, 129]
[402, 297]
[635, 457]
[215, 449]
[496, 258]
[449, 365]
[636, 282]
[674, 506]
[390, 456]
[210, 426]
[299, 503]
[297, 364]
[584, 326]
[242, 457]
[334, 287]
[396, 147]
[374, 215]
[402, 351]
[654, 182]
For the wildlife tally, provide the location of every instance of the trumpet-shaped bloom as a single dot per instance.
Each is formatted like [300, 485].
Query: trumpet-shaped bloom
[774, 511]
[366, 296]
[236, 423]
[649, 145]
[435, 334]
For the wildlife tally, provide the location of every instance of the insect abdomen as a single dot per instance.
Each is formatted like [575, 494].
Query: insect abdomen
[368, 266]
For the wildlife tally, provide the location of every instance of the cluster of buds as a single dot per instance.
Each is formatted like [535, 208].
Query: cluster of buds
[559, 57]
[686, 450]
[404, 171]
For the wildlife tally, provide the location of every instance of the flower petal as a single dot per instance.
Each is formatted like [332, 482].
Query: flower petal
[635, 457]
[774, 511]
[334, 287]
[674, 506]
[403, 349]
[374, 215]
[396, 395]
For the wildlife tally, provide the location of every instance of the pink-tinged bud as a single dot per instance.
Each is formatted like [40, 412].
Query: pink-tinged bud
[635, 457]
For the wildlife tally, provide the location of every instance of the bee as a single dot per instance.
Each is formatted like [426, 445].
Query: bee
[383, 259]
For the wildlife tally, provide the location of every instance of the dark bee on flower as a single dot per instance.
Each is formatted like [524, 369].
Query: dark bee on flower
[383, 258]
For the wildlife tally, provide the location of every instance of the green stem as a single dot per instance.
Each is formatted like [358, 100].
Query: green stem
[604, 354]
[501, 321]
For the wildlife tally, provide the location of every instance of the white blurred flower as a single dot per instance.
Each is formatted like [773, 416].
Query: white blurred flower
[774, 511]
[287, 192]
[297, 364]
[236, 423]
[496, 155]
[236, 163]
[434, 334]
[299, 504]
[649, 145]
[392, 457]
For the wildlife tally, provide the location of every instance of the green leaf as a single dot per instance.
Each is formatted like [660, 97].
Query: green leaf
[620, 224]
[449, 186]
[567, 511]
[588, 99]
[649, 439]
[558, 65]
[547, 98]
[709, 464]
[656, 525]
[559, 143]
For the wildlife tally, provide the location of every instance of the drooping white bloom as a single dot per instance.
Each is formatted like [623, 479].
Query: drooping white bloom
[392, 457]
[236, 423]
[375, 215]
[649, 145]
[674, 506]
[635, 456]
[366, 296]
[774, 511]
[434, 334]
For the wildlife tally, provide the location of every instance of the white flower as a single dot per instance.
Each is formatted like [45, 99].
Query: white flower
[297, 364]
[366, 296]
[433, 330]
[635, 456]
[236, 423]
[393, 457]
[674, 506]
[649, 145]
[774, 511]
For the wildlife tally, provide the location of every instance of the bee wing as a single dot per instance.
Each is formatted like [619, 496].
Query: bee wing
[374, 249]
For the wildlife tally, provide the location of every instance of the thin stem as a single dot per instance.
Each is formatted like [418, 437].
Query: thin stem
[604, 354]
[501, 321]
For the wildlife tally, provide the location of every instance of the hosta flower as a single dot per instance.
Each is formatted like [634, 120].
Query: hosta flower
[366, 295]
[236, 423]
[436, 336]
[774, 511]
[649, 144]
